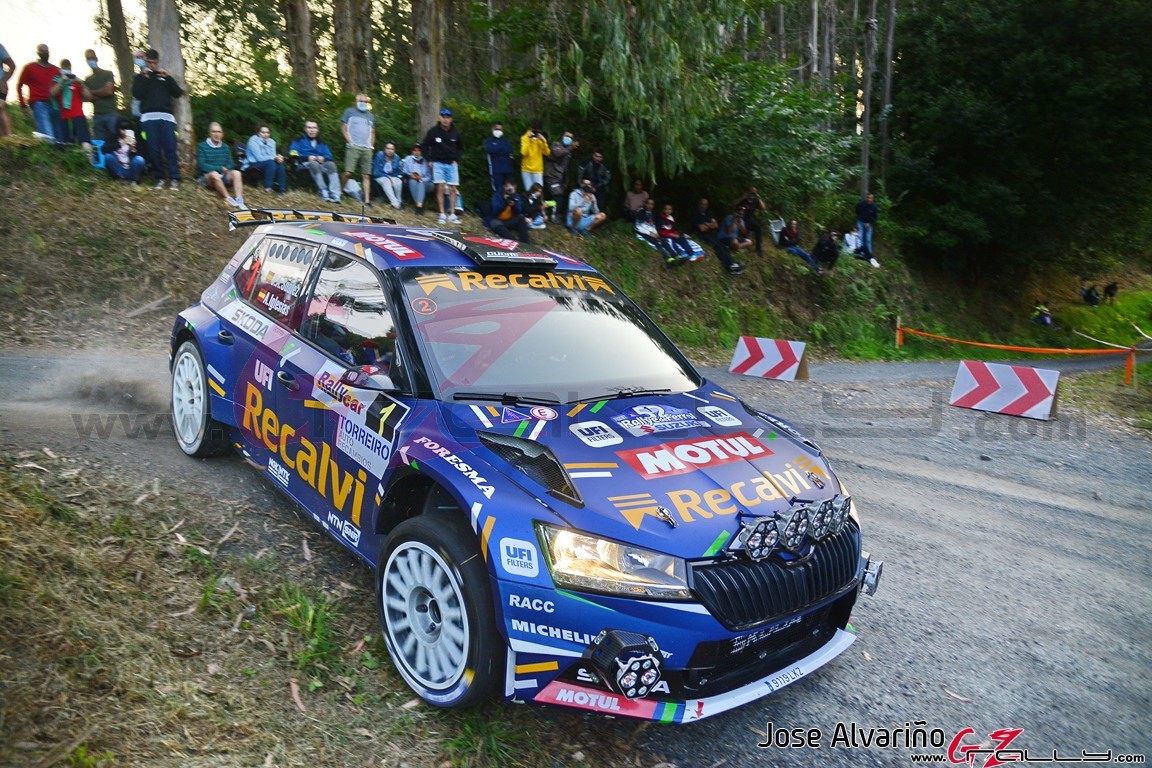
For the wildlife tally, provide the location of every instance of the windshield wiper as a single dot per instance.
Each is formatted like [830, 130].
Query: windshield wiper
[506, 398]
[622, 392]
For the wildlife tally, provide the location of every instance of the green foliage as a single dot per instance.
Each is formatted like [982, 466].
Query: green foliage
[776, 133]
[1022, 130]
[311, 619]
[81, 757]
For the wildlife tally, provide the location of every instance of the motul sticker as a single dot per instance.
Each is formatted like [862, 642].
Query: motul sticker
[685, 456]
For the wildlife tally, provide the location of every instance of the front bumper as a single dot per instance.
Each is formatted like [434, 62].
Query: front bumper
[568, 694]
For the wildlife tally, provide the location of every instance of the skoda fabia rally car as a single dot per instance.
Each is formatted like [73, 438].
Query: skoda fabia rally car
[557, 506]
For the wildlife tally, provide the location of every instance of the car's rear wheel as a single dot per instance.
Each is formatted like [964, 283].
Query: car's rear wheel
[197, 433]
[436, 611]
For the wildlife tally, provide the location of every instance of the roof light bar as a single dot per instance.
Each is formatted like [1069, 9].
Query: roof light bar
[257, 216]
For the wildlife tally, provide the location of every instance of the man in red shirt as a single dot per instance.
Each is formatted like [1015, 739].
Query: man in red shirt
[70, 93]
[39, 76]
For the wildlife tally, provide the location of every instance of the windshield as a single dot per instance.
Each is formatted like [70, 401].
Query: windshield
[560, 336]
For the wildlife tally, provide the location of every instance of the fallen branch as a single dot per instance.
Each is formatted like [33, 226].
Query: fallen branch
[152, 305]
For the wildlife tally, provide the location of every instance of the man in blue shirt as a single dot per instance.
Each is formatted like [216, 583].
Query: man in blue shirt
[261, 154]
[314, 156]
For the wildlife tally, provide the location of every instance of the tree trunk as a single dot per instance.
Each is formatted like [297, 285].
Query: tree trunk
[164, 36]
[364, 60]
[301, 45]
[118, 35]
[427, 49]
[780, 32]
[886, 114]
[343, 42]
[866, 118]
[814, 42]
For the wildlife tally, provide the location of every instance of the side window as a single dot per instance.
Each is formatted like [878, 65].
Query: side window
[272, 282]
[347, 315]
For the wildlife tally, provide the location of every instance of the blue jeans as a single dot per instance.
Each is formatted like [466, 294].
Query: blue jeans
[162, 147]
[133, 172]
[419, 190]
[43, 114]
[866, 237]
[796, 250]
[273, 173]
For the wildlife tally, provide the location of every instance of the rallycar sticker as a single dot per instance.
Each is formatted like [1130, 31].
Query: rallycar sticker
[684, 456]
[646, 419]
[718, 416]
[519, 557]
[595, 434]
[397, 249]
[247, 319]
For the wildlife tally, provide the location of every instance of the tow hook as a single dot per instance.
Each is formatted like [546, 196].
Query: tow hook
[872, 571]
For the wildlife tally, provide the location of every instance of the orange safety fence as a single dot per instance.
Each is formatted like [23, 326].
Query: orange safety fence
[1128, 367]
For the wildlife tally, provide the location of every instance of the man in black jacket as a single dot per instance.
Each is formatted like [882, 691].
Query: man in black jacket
[443, 146]
[867, 214]
[157, 89]
[596, 172]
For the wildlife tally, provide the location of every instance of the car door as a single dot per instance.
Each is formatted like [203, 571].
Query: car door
[262, 322]
[345, 326]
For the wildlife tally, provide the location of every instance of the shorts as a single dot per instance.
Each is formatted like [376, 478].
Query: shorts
[358, 160]
[446, 173]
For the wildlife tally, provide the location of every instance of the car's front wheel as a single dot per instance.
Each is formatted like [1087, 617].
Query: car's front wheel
[436, 610]
[197, 433]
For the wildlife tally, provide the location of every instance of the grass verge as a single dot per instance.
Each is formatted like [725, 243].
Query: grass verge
[146, 625]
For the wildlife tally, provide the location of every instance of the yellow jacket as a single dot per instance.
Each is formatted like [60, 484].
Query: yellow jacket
[532, 152]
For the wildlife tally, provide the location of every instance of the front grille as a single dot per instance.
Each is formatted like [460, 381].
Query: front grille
[743, 594]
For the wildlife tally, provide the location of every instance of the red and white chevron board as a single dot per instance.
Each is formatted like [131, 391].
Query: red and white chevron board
[1015, 390]
[769, 359]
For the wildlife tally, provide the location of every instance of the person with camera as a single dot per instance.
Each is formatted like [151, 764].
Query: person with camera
[508, 218]
[39, 77]
[216, 167]
[533, 149]
[597, 172]
[584, 215]
[121, 159]
[68, 94]
[556, 166]
[157, 89]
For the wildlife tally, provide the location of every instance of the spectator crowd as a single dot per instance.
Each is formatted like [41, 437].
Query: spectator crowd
[557, 190]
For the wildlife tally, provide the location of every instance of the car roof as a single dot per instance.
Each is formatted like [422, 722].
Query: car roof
[389, 246]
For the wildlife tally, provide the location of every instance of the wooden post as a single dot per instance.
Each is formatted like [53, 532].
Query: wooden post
[899, 332]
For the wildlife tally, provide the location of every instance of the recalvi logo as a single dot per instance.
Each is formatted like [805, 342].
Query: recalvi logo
[684, 456]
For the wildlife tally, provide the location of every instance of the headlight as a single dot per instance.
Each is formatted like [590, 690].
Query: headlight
[580, 561]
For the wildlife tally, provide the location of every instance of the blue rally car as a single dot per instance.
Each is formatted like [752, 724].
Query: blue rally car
[556, 504]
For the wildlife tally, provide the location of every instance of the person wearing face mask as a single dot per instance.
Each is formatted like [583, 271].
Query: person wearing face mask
[499, 152]
[102, 85]
[359, 128]
[556, 176]
[69, 94]
[39, 77]
[533, 149]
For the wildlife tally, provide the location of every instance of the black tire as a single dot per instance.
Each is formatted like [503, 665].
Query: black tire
[436, 611]
[197, 433]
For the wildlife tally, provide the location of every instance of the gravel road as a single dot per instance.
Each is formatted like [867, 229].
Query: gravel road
[1017, 591]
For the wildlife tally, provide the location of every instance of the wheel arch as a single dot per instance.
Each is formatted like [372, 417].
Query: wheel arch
[411, 495]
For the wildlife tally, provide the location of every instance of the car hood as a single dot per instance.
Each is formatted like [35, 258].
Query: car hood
[674, 473]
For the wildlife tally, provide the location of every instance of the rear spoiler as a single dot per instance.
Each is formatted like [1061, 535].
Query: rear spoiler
[257, 216]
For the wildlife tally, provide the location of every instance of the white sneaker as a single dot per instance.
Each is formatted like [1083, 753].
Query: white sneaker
[232, 202]
[442, 218]
[454, 219]
[173, 185]
[874, 263]
[160, 184]
[240, 202]
[538, 226]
